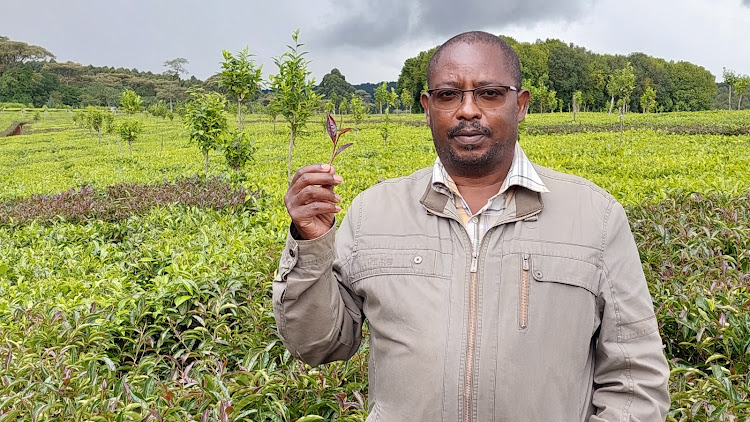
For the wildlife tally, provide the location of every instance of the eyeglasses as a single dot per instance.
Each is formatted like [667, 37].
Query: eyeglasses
[485, 97]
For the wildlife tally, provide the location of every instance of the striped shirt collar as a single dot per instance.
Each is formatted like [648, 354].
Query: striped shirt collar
[521, 173]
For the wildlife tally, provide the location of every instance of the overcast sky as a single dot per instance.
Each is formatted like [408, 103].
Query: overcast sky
[368, 41]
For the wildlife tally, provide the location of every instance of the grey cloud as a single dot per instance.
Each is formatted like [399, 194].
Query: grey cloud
[746, 3]
[384, 23]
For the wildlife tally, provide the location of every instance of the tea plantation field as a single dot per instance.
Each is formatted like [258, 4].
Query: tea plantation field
[137, 287]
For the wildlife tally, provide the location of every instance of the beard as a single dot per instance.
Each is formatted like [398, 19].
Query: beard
[472, 165]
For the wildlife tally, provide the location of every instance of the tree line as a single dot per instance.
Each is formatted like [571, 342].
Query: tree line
[561, 77]
[558, 74]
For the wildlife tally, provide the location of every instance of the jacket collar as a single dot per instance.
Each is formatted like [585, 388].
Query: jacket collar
[527, 202]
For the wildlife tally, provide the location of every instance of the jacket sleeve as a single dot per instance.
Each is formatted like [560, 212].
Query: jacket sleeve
[318, 316]
[631, 373]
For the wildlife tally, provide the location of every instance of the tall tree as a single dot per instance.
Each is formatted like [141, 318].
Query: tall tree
[176, 67]
[294, 90]
[335, 87]
[13, 53]
[413, 77]
[240, 77]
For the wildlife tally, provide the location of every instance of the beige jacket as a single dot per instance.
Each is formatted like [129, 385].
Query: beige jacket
[550, 321]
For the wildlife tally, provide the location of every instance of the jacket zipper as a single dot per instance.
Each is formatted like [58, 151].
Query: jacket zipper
[468, 382]
[523, 318]
[471, 338]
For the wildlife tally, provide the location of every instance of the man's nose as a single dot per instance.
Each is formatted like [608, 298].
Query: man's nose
[468, 109]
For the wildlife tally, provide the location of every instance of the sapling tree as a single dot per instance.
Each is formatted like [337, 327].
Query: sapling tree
[407, 99]
[130, 102]
[577, 100]
[381, 96]
[392, 100]
[294, 91]
[205, 121]
[358, 112]
[648, 100]
[273, 110]
[129, 130]
[240, 78]
[238, 150]
[95, 121]
[343, 108]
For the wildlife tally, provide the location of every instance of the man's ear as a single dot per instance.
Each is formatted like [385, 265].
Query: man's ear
[425, 101]
[524, 96]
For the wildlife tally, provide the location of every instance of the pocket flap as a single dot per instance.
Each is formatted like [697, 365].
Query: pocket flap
[558, 269]
[370, 263]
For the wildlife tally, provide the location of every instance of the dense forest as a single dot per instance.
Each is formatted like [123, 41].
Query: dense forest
[560, 76]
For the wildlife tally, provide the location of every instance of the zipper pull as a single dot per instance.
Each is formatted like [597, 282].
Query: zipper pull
[474, 256]
[525, 262]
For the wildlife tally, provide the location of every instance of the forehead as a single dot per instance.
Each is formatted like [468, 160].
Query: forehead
[470, 64]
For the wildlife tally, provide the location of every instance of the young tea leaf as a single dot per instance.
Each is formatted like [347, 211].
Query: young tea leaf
[331, 128]
[341, 148]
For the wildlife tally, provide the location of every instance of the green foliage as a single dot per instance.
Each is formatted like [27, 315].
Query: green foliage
[205, 121]
[167, 308]
[240, 77]
[130, 102]
[238, 150]
[294, 92]
[129, 130]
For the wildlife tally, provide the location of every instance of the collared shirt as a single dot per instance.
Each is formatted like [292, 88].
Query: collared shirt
[521, 173]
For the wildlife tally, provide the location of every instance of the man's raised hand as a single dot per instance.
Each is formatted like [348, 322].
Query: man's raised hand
[310, 200]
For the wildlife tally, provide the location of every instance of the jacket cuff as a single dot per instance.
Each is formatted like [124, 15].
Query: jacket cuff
[305, 251]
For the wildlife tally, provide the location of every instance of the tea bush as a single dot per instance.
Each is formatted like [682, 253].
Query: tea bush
[160, 309]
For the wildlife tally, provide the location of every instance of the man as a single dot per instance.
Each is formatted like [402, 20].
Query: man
[495, 290]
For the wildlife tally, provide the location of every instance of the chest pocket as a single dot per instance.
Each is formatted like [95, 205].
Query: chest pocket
[572, 272]
[554, 289]
[389, 262]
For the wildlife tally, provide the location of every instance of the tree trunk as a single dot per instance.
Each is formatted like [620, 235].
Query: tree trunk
[130, 147]
[739, 103]
[100, 136]
[289, 158]
[205, 154]
[170, 105]
[274, 126]
[730, 97]
[239, 114]
[119, 145]
[611, 105]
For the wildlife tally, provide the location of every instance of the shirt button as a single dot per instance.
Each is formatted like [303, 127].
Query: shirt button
[474, 220]
[538, 274]
[291, 252]
[417, 259]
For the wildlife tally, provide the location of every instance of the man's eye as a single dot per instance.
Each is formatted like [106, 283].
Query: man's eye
[491, 93]
[447, 94]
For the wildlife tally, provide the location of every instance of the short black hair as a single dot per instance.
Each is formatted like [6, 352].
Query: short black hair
[509, 56]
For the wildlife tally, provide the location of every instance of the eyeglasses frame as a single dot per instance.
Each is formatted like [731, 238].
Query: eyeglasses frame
[473, 93]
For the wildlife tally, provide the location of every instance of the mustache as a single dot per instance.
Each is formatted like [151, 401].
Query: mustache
[455, 130]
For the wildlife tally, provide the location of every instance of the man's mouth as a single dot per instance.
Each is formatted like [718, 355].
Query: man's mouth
[468, 133]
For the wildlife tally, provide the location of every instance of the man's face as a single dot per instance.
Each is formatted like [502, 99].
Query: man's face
[472, 141]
